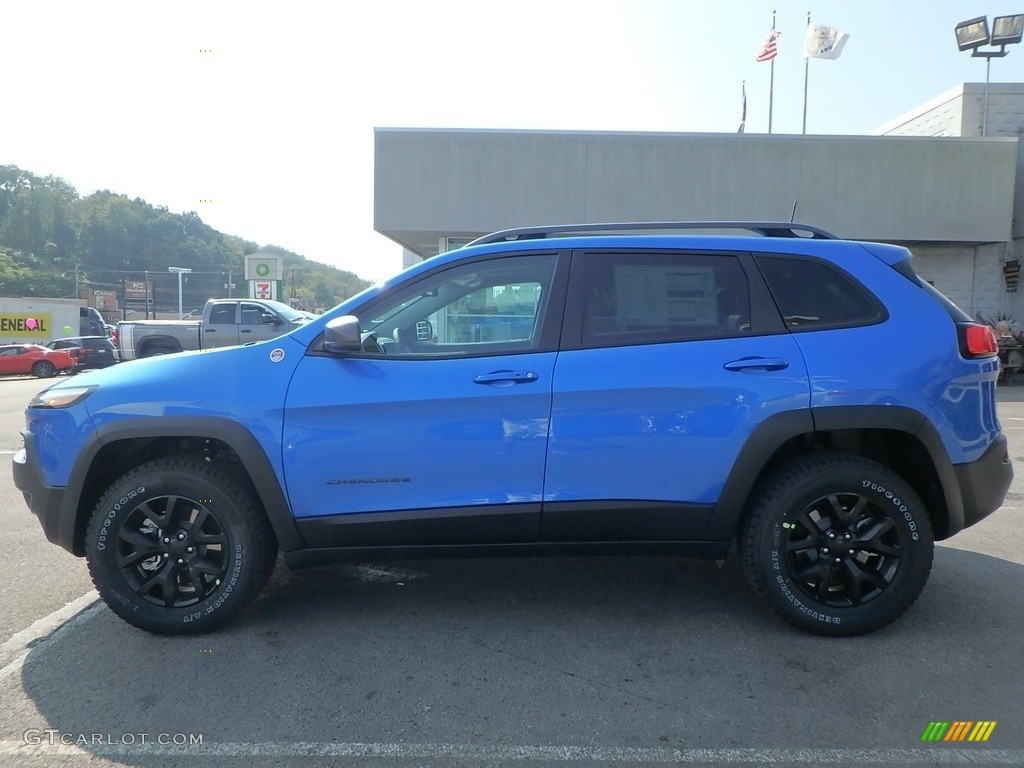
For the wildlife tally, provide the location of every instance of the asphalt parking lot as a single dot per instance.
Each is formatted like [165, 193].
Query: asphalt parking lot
[531, 662]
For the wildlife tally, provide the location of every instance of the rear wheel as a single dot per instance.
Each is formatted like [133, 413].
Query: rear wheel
[176, 546]
[837, 544]
[44, 369]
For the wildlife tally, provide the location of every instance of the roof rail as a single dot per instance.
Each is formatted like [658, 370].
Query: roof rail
[762, 228]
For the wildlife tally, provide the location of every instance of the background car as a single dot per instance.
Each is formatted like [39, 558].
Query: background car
[93, 351]
[23, 359]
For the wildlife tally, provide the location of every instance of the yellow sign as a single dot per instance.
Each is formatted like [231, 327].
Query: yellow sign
[28, 325]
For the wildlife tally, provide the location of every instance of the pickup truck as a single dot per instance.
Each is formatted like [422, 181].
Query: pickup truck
[224, 323]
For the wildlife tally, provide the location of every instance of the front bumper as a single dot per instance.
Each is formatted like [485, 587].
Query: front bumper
[46, 502]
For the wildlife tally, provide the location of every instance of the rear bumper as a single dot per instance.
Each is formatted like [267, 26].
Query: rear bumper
[984, 483]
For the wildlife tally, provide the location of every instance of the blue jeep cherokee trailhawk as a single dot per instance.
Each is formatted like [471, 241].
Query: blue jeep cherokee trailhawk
[591, 390]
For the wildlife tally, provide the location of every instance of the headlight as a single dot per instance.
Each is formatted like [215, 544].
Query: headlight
[60, 397]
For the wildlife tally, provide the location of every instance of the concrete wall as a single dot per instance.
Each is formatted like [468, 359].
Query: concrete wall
[971, 276]
[432, 183]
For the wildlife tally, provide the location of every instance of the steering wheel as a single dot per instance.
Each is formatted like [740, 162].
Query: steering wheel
[401, 337]
[371, 345]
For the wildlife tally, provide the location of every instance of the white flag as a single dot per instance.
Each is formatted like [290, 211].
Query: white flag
[824, 42]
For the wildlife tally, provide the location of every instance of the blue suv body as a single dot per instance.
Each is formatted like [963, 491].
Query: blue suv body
[581, 390]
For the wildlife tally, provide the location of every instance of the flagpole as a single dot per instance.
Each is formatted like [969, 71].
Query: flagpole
[743, 110]
[807, 61]
[771, 83]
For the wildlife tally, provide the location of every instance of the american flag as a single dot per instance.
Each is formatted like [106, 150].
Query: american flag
[769, 50]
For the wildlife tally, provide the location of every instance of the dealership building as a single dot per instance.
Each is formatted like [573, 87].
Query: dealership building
[928, 180]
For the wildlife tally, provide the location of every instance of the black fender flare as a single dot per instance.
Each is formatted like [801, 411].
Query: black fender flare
[775, 431]
[235, 435]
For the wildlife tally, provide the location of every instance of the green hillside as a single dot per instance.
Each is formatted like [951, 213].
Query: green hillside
[52, 239]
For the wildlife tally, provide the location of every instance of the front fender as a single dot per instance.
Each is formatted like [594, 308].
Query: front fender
[244, 444]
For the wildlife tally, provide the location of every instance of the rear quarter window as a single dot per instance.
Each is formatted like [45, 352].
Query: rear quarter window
[813, 295]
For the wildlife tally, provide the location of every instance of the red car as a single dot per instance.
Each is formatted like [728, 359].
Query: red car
[21, 359]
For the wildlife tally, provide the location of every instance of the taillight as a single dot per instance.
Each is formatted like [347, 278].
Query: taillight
[977, 340]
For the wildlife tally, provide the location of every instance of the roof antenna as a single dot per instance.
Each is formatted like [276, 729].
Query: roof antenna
[792, 216]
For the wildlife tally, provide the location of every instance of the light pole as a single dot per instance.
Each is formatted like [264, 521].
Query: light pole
[973, 33]
[181, 271]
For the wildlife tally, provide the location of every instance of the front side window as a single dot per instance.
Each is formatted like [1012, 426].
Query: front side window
[254, 314]
[637, 298]
[489, 307]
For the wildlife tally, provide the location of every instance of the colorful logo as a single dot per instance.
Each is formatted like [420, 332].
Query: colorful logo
[958, 730]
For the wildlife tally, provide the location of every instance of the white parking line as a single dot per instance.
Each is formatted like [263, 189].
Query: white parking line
[14, 652]
[939, 755]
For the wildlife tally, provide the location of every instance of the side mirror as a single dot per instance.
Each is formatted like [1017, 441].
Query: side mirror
[342, 334]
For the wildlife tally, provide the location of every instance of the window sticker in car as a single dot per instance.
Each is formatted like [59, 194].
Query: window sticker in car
[666, 295]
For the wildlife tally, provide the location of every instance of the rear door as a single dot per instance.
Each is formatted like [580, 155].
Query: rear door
[221, 329]
[669, 361]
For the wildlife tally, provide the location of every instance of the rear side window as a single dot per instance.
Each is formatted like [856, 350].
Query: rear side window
[638, 298]
[812, 295]
[222, 313]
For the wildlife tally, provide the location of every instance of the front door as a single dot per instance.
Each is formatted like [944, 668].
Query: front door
[436, 431]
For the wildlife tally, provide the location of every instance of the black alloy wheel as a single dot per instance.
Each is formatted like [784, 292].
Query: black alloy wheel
[836, 544]
[178, 545]
[172, 551]
[843, 550]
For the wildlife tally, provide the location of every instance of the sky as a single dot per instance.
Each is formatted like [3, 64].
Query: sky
[259, 116]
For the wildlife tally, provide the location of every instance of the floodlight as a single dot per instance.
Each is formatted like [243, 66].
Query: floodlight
[1007, 30]
[972, 33]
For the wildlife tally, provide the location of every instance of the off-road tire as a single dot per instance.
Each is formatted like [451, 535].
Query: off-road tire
[836, 544]
[177, 545]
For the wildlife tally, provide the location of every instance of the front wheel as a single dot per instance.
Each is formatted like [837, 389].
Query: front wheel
[837, 544]
[176, 546]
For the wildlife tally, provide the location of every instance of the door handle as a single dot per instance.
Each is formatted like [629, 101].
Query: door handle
[506, 378]
[757, 364]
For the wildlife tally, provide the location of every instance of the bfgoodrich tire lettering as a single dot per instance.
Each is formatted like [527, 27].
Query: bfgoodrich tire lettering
[177, 545]
[836, 544]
